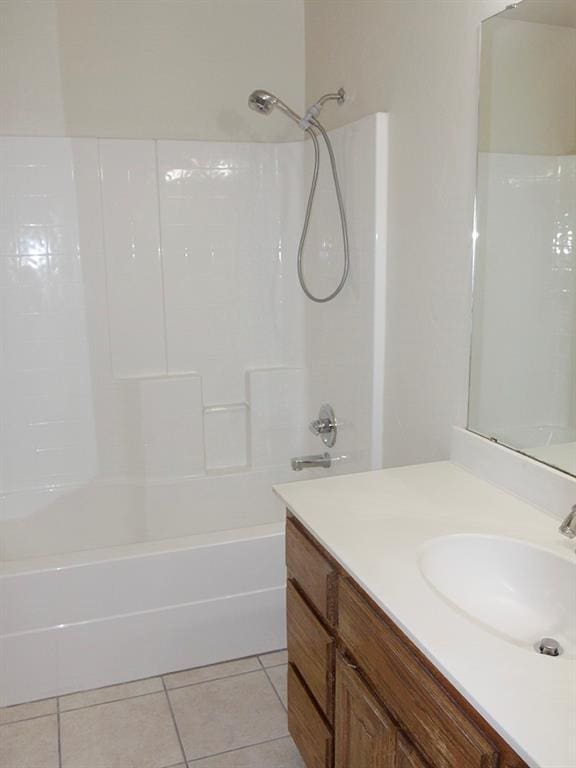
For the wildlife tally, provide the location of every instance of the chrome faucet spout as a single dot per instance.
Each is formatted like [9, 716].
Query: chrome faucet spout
[308, 462]
[568, 525]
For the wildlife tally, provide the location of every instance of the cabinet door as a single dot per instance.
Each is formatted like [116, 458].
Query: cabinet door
[406, 754]
[365, 736]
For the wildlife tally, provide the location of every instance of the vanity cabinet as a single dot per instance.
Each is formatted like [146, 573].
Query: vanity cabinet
[360, 694]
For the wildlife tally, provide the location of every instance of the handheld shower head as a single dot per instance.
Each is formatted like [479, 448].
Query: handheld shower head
[262, 102]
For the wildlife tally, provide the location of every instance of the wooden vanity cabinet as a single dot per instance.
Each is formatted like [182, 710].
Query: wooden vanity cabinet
[360, 694]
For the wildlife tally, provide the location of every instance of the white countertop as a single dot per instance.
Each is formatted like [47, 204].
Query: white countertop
[374, 525]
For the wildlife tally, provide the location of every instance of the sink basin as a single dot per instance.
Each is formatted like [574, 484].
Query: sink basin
[514, 589]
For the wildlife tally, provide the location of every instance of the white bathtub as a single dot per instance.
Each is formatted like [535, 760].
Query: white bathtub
[89, 619]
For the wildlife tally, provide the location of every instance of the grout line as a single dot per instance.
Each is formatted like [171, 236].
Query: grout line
[113, 701]
[274, 688]
[175, 723]
[213, 680]
[27, 719]
[59, 732]
[238, 749]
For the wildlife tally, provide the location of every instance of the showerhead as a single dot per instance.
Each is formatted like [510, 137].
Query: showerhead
[262, 101]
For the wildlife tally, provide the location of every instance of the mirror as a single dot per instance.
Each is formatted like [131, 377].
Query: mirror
[523, 357]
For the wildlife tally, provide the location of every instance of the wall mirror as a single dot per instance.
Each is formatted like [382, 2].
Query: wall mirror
[523, 357]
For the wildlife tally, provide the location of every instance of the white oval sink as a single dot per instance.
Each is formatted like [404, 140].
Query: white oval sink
[517, 590]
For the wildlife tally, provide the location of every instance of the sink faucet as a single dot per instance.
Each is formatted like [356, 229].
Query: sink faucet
[568, 526]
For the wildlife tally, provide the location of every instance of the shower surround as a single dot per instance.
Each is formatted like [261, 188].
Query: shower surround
[152, 325]
[160, 366]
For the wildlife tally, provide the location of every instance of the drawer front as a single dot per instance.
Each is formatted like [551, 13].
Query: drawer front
[314, 574]
[438, 726]
[306, 725]
[310, 649]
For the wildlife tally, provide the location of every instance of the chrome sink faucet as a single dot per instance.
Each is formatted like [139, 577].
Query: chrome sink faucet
[568, 525]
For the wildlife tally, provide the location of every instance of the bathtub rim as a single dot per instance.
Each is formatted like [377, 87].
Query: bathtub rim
[90, 557]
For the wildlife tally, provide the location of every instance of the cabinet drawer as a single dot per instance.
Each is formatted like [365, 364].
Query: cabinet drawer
[312, 571]
[310, 649]
[306, 725]
[435, 722]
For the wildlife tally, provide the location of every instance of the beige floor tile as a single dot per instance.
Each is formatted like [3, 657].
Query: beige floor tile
[274, 754]
[227, 714]
[110, 693]
[274, 659]
[134, 733]
[213, 672]
[279, 679]
[30, 743]
[26, 711]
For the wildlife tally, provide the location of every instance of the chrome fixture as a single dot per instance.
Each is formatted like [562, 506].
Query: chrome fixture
[310, 462]
[568, 525]
[549, 647]
[264, 102]
[325, 425]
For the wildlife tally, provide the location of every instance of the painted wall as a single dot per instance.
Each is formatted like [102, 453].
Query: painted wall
[149, 69]
[528, 88]
[417, 60]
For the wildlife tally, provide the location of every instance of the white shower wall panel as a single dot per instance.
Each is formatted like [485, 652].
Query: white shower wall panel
[46, 392]
[133, 257]
[345, 337]
[229, 216]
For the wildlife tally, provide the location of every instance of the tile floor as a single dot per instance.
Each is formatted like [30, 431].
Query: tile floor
[230, 715]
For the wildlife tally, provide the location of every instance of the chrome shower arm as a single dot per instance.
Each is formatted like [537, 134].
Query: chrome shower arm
[339, 96]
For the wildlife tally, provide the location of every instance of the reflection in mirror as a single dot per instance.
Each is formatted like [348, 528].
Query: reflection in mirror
[523, 360]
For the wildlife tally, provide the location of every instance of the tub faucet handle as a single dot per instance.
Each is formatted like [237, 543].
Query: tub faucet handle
[325, 425]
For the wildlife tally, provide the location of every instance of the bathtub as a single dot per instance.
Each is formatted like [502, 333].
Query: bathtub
[88, 619]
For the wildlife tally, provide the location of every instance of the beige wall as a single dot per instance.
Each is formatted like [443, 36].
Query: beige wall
[149, 68]
[528, 88]
[417, 60]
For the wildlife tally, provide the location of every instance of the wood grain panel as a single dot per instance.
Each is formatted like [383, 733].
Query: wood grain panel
[437, 725]
[311, 734]
[407, 755]
[310, 649]
[314, 574]
[365, 737]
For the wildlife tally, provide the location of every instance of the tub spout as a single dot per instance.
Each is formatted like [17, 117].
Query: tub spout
[308, 462]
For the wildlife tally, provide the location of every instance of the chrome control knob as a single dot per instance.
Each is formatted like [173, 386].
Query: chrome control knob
[325, 425]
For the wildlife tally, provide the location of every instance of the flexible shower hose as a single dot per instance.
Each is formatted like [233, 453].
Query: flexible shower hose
[346, 269]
